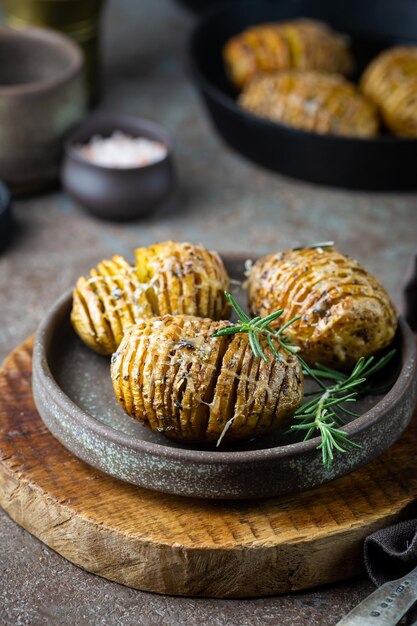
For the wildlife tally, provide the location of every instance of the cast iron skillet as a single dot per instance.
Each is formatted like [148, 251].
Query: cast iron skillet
[199, 6]
[74, 396]
[384, 163]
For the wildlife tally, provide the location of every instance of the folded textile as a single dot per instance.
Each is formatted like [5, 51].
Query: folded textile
[391, 553]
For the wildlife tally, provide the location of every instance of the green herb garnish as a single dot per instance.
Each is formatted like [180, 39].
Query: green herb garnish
[319, 415]
[256, 327]
[312, 246]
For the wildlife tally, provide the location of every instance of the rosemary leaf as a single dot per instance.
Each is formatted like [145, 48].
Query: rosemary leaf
[242, 315]
[229, 330]
[274, 350]
[259, 347]
[253, 344]
[321, 244]
[264, 322]
[381, 363]
[330, 375]
[285, 326]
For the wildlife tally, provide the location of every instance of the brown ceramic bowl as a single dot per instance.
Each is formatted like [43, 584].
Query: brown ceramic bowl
[118, 193]
[74, 396]
[42, 96]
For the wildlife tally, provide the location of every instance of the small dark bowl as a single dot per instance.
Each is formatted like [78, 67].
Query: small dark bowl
[385, 162]
[118, 193]
[5, 216]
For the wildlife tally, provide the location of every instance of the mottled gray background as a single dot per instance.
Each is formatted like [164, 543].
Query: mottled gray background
[225, 203]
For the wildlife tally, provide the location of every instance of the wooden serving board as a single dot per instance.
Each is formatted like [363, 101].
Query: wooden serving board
[181, 546]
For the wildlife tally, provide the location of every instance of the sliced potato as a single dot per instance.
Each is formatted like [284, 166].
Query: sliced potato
[345, 312]
[167, 278]
[106, 302]
[390, 81]
[301, 44]
[314, 101]
[194, 385]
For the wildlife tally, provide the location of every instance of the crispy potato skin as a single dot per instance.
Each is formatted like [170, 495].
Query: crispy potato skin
[345, 312]
[168, 277]
[314, 101]
[390, 81]
[171, 374]
[301, 44]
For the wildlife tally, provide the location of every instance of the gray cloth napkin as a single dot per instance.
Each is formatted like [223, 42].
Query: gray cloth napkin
[391, 553]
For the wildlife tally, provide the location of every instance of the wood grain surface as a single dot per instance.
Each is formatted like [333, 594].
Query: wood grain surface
[181, 546]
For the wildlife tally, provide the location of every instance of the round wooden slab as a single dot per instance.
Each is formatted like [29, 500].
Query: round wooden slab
[182, 546]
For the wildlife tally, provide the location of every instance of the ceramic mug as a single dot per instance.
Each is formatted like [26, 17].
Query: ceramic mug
[79, 19]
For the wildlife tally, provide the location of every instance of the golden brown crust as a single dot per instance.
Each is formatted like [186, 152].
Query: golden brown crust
[301, 44]
[173, 375]
[314, 101]
[345, 312]
[167, 278]
[184, 278]
[390, 81]
[104, 303]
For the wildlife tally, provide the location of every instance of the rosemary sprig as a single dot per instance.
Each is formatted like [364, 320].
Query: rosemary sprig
[321, 414]
[311, 246]
[259, 326]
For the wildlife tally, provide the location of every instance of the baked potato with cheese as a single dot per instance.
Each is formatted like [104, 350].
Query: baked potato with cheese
[172, 375]
[313, 101]
[390, 81]
[166, 278]
[345, 313]
[302, 44]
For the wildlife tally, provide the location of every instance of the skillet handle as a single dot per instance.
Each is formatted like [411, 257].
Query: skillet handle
[410, 293]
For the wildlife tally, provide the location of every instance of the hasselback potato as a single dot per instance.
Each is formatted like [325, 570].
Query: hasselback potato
[167, 277]
[171, 374]
[302, 44]
[390, 81]
[345, 312]
[314, 101]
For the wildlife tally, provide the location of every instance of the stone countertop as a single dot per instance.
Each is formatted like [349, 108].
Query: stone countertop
[227, 204]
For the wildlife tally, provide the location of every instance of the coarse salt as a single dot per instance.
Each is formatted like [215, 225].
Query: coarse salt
[122, 151]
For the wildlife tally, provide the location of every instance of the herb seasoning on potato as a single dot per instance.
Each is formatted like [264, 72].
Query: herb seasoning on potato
[166, 278]
[173, 375]
[345, 313]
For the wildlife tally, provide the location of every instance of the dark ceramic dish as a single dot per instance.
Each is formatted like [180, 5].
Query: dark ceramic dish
[385, 162]
[74, 396]
[42, 96]
[118, 193]
[199, 6]
[5, 216]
